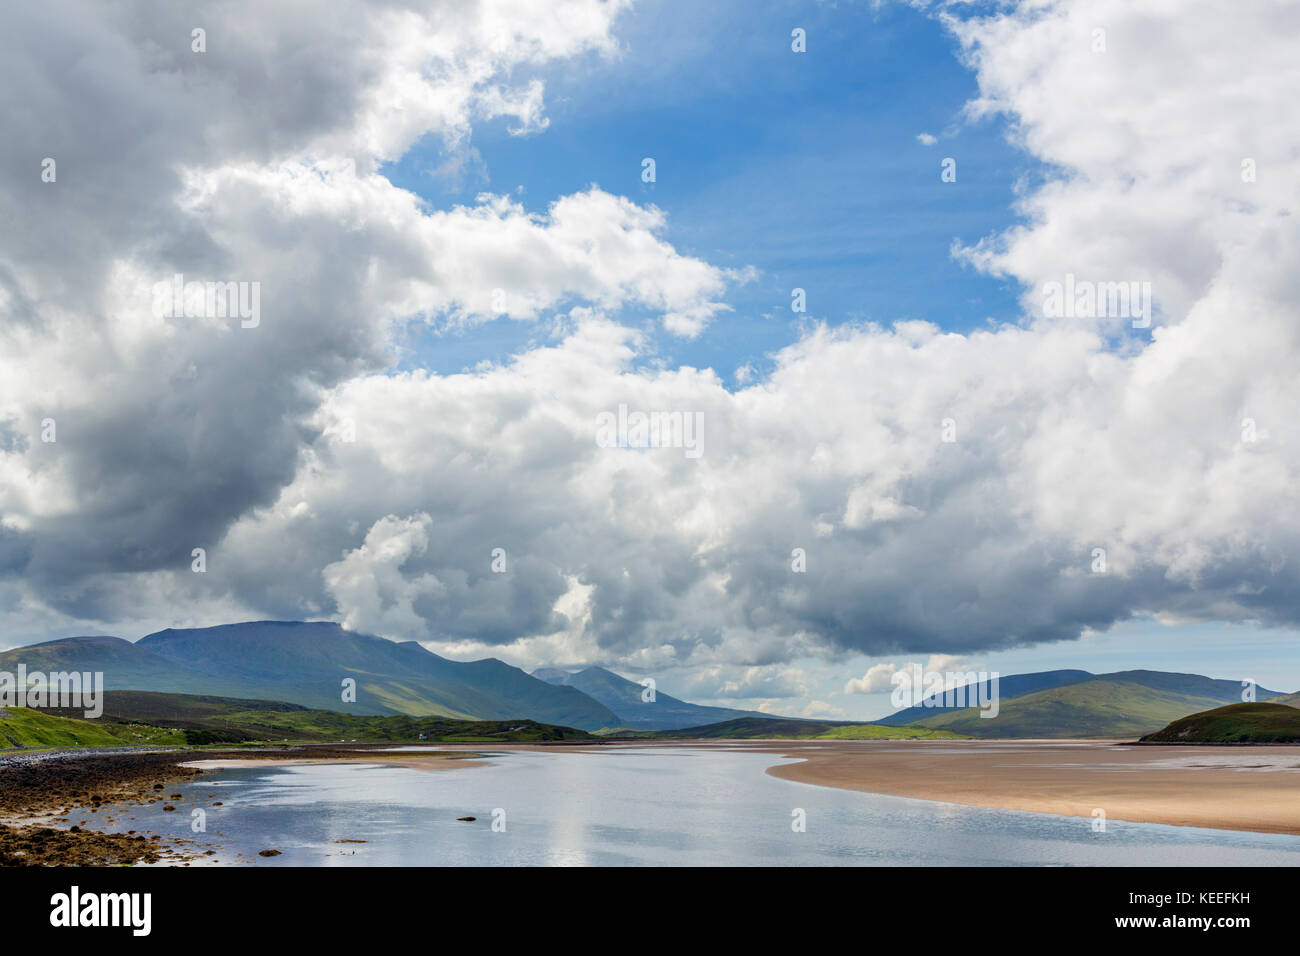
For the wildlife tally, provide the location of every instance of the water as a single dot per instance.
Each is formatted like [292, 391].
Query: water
[642, 807]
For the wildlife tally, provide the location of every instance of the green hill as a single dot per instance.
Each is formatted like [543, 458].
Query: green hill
[1014, 686]
[1256, 723]
[183, 718]
[783, 728]
[23, 727]
[1096, 708]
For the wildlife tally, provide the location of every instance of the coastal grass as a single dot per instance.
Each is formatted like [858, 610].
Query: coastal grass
[27, 728]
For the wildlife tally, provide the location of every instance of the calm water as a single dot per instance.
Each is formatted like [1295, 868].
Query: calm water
[642, 807]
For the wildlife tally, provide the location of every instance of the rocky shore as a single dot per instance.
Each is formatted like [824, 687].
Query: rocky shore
[49, 800]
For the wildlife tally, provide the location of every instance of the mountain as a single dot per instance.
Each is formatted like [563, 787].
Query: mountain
[1076, 703]
[306, 662]
[1096, 708]
[1014, 685]
[623, 697]
[1255, 723]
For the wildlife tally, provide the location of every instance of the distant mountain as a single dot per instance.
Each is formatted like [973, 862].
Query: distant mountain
[1076, 703]
[623, 697]
[1255, 723]
[1101, 707]
[306, 662]
[1013, 685]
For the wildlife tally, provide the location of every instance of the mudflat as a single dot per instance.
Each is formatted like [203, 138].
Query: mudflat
[1222, 787]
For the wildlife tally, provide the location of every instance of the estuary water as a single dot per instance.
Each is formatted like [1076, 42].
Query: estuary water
[639, 807]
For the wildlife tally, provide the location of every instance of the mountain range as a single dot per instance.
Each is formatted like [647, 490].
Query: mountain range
[625, 698]
[1075, 703]
[306, 662]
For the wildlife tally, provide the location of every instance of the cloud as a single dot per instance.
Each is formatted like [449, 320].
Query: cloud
[926, 139]
[875, 681]
[950, 492]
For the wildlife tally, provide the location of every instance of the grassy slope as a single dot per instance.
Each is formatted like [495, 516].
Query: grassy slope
[22, 727]
[1236, 723]
[1099, 708]
[751, 728]
[207, 719]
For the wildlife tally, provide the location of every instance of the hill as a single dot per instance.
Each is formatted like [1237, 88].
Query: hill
[1095, 708]
[305, 663]
[784, 728]
[23, 727]
[191, 719]
[1020, 685]
[1255, 723]
[623, 697]
[1013, 685]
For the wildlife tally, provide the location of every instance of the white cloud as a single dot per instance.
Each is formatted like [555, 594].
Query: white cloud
[875, 681]
[1071, 434]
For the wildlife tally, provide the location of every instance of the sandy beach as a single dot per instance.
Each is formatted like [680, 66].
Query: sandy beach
[1233, 788]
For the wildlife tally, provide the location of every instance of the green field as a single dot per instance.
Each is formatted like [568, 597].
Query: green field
[783, 728]
[22, 727]
[138, 718]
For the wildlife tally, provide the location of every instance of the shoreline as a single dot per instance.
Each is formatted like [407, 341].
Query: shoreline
[1217, 787]
[48, 799]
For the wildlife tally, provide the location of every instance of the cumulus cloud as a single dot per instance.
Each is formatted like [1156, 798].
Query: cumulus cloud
[876, 680]
[951, 493]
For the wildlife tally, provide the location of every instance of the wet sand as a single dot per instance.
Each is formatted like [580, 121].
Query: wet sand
[1222, 787]
[438, 760]
[1254, 788]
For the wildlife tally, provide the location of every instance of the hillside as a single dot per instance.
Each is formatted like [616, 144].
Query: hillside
[23, 727]
[1096, 708]
[1019, 685]
[1255, 723]
[1013, 685]
[305, 663]
[182, 718]
[623, 697]
[782, 728]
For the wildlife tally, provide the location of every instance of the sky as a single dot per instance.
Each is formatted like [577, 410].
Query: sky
[454, 267]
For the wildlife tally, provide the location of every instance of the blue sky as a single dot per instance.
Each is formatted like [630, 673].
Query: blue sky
[253, 163]
[805, 167]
